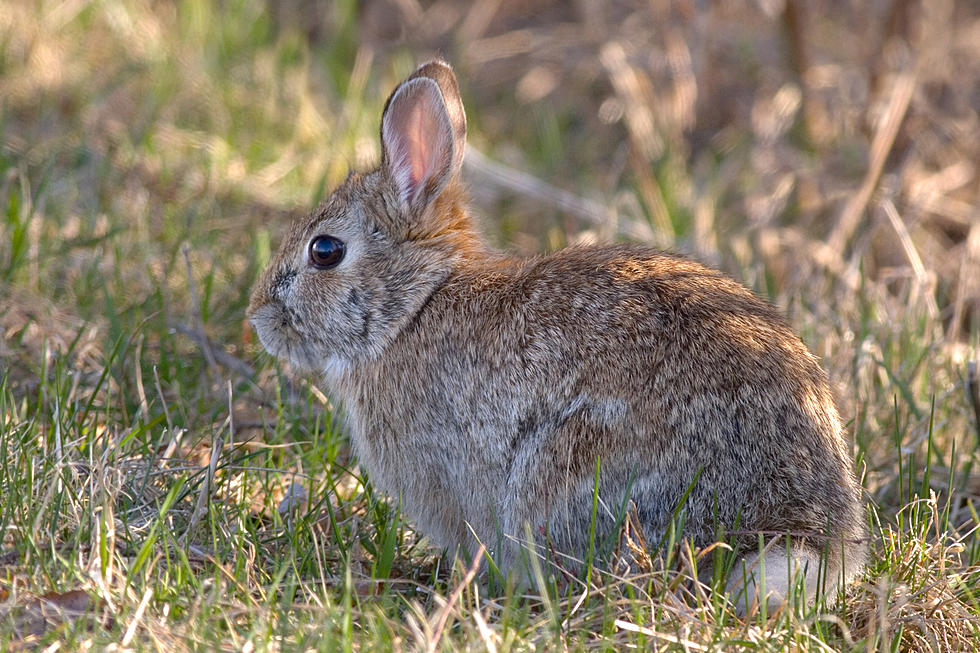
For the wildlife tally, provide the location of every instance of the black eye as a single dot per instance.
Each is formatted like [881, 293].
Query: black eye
[326, 252]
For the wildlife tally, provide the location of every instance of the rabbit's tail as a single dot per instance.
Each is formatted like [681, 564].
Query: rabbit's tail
[799, 573]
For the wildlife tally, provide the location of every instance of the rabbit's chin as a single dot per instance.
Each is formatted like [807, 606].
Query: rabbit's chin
[295, 352]
[305, 358]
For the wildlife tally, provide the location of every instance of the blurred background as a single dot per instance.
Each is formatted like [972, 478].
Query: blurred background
[824, 152]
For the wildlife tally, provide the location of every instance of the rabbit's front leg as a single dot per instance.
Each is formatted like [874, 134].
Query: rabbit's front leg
[550, 505]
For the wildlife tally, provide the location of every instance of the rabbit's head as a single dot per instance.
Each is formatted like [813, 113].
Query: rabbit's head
[347, 278]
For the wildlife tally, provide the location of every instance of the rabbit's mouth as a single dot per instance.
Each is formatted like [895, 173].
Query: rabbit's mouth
[279, 337]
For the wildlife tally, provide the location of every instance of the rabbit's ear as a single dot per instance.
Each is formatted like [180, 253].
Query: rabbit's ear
[423, 135]
[440, 72]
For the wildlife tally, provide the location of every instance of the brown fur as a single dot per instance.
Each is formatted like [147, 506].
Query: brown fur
[480, 388]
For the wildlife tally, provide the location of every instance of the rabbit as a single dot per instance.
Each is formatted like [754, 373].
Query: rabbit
[483, 390]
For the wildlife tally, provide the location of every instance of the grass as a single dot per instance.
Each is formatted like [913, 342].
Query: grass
[165, 485]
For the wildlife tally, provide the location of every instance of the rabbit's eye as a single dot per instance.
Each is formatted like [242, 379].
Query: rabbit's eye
[326, 252]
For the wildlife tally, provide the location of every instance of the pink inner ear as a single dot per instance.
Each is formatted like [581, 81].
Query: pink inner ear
[417, 137]
[417, 128]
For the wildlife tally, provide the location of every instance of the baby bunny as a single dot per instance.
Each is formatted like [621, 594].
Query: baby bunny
[483, 390]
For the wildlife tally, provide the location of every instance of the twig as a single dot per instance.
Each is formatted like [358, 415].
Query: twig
[485, 632]
[137, 617]
[231, 431]
[222, 358]
[144, 410]
[521, 182]
[447, 609]
[664, 637]
[881, 145]
[921, 277]
[905, 239]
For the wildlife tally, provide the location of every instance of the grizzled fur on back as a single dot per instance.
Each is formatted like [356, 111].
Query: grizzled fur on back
[480, 388]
